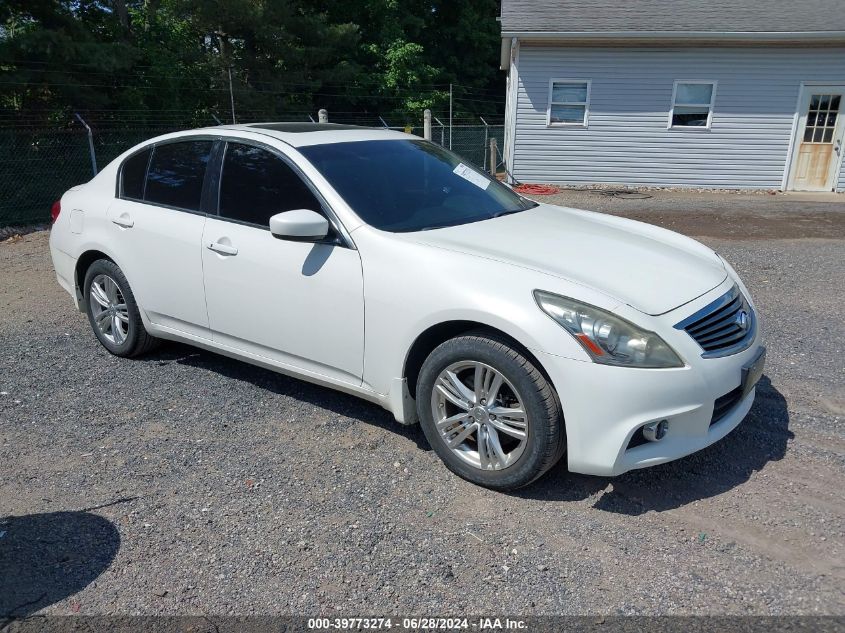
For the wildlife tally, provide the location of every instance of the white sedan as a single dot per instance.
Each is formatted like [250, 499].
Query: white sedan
[381, 265]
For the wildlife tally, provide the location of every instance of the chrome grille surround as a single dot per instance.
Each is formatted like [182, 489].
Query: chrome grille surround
[720, 328]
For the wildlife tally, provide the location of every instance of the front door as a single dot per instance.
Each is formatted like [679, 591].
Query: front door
[819, 143]
[300, 305]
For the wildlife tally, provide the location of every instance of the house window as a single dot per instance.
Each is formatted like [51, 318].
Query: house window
[692, 104]
[569, 102]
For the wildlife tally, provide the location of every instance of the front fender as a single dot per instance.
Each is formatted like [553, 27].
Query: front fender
[410, 288]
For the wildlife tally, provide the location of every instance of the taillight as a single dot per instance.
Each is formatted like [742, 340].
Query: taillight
[55, 210]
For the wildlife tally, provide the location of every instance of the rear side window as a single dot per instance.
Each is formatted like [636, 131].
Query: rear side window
[176, 174]
[257, 184]
[133, 175]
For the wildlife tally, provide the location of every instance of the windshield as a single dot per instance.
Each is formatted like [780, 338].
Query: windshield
[407, 185]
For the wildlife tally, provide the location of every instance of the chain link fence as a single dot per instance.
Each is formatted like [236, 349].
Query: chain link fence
[470, 142]
[38, 165]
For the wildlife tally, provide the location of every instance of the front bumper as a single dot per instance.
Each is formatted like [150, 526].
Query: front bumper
[605, 406]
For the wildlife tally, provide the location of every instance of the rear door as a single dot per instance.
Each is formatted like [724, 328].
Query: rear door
[298, 304]
[156, 226]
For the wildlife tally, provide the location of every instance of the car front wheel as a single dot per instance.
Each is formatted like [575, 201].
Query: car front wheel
[112, 311]
[489, 413]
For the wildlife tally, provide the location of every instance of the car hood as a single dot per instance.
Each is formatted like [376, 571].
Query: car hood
[651, 269]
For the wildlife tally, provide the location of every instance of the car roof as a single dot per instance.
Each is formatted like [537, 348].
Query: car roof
[303, 134]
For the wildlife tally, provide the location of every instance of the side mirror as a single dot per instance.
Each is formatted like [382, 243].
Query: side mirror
[299, 225]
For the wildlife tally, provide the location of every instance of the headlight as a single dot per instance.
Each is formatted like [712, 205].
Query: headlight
[607, 338]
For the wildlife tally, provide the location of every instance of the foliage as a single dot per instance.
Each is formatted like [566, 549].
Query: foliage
[160, 62]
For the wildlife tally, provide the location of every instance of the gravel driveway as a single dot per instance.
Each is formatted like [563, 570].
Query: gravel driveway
[186, 483]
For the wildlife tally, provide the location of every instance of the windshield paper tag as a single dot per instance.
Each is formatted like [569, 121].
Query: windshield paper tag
[468, 174]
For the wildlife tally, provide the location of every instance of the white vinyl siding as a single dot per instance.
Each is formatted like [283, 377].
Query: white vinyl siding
[631, 96]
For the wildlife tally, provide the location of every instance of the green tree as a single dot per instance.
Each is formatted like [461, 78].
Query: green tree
[158, 62]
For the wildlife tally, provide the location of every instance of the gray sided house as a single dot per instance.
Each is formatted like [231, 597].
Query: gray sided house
[721, 94]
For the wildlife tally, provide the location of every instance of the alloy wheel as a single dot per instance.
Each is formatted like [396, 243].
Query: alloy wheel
[108, 308]
[479, 415]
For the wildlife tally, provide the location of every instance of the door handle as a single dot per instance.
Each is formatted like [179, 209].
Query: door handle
[223, 249]
[124, 221]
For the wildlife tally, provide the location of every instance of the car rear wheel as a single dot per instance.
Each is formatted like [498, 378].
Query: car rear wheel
[113, 312]
[489, 413]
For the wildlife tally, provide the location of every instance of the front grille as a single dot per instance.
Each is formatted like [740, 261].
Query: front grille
[725, 326]
[724, 404]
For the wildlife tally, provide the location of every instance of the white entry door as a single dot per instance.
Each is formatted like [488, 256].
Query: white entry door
[818, 145]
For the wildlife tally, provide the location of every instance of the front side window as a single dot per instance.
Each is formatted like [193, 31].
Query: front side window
[256, 185]
[407, 185]
[692, 104]
[133, 175]
[569, 102]
[176, 174]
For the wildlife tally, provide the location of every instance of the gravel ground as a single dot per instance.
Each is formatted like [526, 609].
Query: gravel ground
[731, 215]
[188, 483]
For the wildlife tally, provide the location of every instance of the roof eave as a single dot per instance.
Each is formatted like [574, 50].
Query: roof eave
[678, 37]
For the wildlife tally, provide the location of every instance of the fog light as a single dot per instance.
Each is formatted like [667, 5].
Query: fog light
[655, 431]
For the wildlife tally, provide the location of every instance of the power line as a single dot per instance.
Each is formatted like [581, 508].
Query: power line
[397, 94]
[248, 91]
[315, 83]
[120, 73]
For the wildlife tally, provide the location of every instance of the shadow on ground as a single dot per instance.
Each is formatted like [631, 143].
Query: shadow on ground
[44, 558]
[323, 397]
[760, 438]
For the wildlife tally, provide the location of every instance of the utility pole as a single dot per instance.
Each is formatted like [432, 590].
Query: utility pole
[450, 116]
[232, 95]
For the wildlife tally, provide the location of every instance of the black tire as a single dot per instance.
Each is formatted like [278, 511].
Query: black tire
[546, 440]
[137, 341]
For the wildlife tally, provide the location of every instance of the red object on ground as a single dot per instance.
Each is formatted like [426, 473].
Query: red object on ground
[536, 190]
[55, 210]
